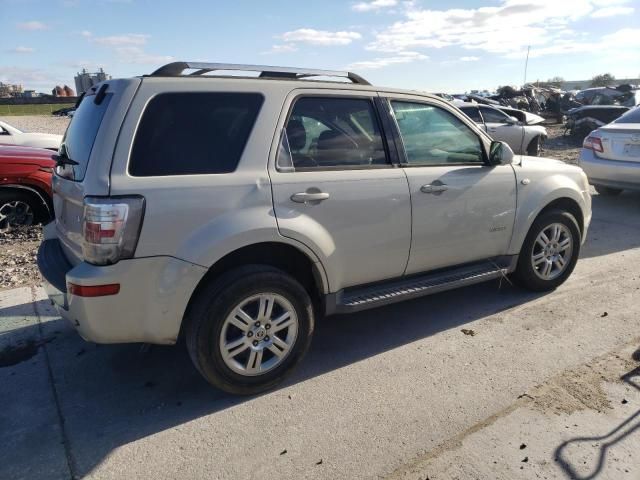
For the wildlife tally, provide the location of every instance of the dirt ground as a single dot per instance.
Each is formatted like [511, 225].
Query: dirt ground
[18, 248]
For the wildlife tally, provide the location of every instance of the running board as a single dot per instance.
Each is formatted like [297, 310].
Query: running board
[369, 296]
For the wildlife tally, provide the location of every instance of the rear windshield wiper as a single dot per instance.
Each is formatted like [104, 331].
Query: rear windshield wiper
[62, 160]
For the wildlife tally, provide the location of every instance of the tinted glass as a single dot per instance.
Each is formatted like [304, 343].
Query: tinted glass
[632, 116]
[433, 136]
[81, 134]
[332, 132]
[493, 116]
[473, 113]
[193, 133]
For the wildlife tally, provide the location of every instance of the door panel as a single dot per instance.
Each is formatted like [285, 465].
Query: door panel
[335, 191]
[462, 209]
[361, 231]
[472, 219]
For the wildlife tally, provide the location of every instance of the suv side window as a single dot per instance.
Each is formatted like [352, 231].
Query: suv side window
[493, 116]
[190, 133]
[332, 132]
[433, 136]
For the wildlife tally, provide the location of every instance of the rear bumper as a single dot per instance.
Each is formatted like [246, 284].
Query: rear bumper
[610, 173]
[154, 293]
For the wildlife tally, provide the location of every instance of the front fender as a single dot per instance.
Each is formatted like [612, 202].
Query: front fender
[538, 194]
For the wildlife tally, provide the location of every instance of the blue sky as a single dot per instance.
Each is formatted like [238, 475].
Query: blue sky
[429, 45]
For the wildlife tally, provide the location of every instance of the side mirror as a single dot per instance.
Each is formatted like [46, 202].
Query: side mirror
[500, 153]
[512, 120]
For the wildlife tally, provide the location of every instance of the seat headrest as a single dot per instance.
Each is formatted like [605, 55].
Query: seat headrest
[296, 134]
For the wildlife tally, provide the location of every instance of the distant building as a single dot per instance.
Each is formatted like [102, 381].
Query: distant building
[85, 80]
[30, 94]
[8, 90]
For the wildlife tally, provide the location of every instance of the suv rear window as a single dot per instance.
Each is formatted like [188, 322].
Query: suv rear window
[193, 133]
[79, 138]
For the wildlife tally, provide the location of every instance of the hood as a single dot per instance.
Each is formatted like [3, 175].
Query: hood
[26, 155]
[533, 119]
[551, 165]
[38, 139]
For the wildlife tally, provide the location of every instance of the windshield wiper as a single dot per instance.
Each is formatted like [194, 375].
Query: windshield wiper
[62, 160]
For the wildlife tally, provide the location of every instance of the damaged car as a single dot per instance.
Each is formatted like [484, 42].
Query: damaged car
[522, 138]
[582, 120]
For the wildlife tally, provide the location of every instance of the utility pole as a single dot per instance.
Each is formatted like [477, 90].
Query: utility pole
[526, 64]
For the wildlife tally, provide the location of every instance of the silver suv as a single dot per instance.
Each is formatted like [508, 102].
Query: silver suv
[235, 210]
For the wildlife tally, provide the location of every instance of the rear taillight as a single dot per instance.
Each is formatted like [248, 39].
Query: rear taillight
[593, 143]
[110, 228]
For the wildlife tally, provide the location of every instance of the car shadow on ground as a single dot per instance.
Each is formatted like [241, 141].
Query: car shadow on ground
[111, 395]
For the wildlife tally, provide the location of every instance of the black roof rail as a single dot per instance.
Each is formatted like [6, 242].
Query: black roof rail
[176, 69]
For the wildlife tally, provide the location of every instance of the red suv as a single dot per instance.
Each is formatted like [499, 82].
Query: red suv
[25, 186]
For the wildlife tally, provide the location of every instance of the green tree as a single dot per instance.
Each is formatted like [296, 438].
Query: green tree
[603, 80]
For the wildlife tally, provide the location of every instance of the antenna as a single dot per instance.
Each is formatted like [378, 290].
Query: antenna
[526, 64]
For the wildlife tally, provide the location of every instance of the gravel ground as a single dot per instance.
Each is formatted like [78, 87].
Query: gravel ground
[38, 123]
[17, 255]
[18, 250]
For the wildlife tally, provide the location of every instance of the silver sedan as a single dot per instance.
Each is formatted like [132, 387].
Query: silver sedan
[610, 155]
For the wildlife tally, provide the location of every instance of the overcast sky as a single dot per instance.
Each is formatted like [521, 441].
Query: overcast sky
[449, 46]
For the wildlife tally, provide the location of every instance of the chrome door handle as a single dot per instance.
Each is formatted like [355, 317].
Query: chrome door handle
[435, 189]
[305, 197]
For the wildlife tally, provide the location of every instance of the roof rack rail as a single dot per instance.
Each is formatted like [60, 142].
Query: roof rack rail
[176, 69]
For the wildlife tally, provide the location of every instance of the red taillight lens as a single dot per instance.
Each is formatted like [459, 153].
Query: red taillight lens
[110, 228]
[93, 290]
[593, 143]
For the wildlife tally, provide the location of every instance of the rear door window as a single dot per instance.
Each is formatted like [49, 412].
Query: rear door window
[473, 113]
[333, 133]
[493, 116]
[193, 133]
[78, 140]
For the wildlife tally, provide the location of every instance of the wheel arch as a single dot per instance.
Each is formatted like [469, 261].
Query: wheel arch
[39, 194]
[282, 256]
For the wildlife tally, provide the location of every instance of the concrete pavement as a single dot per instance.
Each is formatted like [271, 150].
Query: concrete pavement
[398, 392]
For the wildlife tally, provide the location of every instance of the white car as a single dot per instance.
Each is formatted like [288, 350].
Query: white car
[10, 135]
[523, 139]
[610, 155]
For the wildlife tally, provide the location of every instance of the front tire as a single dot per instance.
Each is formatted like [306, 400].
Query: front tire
[607, 191]
[249, 329]
[549, 253]
[535, 147]
[17, 209]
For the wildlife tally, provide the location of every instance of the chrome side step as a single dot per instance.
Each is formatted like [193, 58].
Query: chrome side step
[397, 290]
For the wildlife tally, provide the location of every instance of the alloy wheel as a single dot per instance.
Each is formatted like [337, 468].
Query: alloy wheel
[14, 213]
[258, 334]
[552, 251]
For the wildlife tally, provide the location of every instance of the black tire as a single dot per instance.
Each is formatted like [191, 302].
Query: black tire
[11, 197]
[525, 274]
[217, 300]
[607, 191]
[535, 147]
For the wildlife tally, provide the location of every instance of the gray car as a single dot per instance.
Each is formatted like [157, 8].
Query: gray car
[521, 137]
[610, 155]
[236, 211]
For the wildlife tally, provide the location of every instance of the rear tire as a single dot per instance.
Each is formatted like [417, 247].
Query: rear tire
[545, 265]
[607, 191]
[235, 334]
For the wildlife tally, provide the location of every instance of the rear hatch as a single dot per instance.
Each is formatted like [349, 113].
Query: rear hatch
[620, 141]
[85, 158]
